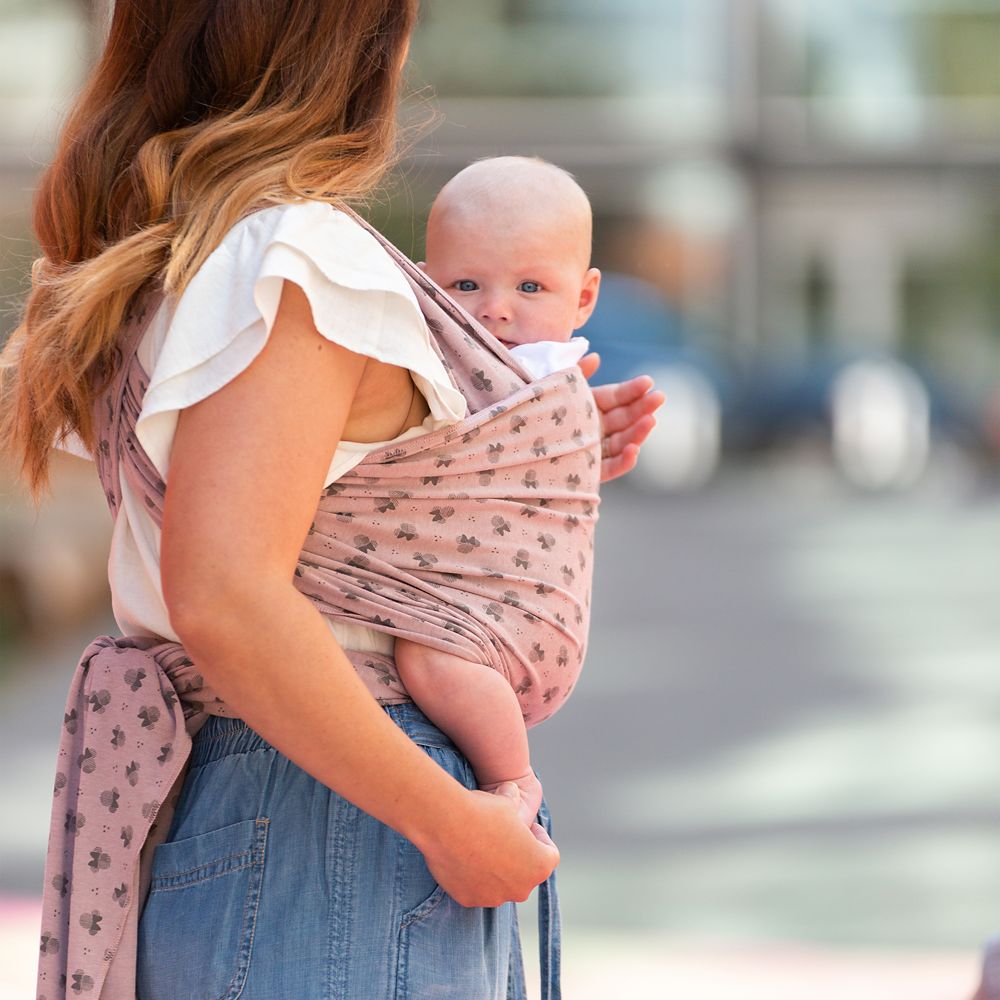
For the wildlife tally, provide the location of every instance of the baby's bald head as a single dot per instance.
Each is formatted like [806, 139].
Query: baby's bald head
[511, 192]
[509, 238]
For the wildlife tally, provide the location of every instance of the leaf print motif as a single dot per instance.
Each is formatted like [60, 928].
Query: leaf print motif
[480, 381]
[516, 423]
[581, 560]
[563, 658]
[568, 574]
[50, 944]
[571, 522]
[558, 415]
[149, 810]
[99, 700]
[120, 895]
[579, 615]
[494, 610]
[546, 541]
[98, 860]
[132, 773]
[407, 532]
[134, 678]
[441, 514]
[61, 884]
[497, 410]
[486, 476]
[424, 560]
[470, 435]
[443, 461]
[82, 983]
[150, 715]
[358, 562]
[109, 799]
[69, 722]
[166, 752]
[530, 480]
[466, 543]
[538, 447]
[524, 686]
[74, 821]
[87, 761]
[126, 836]
[60, 784]
[510, 597]
[550, 693]
[543, 589]
[384, 505]
[591, 459]
[573, 481]
[521, 558]
[536, 654]
[364, 543]
[387, 622]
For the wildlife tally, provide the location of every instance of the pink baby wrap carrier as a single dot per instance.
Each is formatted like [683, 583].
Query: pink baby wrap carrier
[475, 540]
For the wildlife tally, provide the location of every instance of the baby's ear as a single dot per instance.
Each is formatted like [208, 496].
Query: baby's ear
[588, 296]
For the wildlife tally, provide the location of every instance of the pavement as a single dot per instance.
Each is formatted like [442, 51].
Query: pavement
[779, 773]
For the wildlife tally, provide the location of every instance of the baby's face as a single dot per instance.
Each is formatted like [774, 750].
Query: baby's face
[524, 282]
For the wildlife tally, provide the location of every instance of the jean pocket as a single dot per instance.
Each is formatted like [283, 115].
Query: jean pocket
[446, 950]
[453, 952]
[196, 931]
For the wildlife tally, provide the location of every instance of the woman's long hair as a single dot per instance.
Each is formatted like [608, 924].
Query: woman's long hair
[198, 111]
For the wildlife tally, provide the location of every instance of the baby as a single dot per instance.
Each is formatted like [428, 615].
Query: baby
[509, 238]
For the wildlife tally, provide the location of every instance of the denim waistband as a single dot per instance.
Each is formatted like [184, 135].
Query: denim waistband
[221, 736]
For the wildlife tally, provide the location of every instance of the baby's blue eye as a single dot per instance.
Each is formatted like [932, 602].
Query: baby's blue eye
[530, 286]
[466, 285]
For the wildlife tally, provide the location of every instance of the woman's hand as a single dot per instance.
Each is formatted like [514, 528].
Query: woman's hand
[626, 417]
[486, 856]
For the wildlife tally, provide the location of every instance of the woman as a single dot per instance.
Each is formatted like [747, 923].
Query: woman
[208, 157]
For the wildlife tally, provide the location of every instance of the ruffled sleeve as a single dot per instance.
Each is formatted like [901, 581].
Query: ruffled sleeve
[358, 296]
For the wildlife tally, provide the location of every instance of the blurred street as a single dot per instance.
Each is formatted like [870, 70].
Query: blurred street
[778, 775]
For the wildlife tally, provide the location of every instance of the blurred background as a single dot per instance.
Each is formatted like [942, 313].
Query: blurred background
[779, 774]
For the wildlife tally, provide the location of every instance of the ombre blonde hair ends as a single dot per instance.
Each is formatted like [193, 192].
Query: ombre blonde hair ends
[197, 112]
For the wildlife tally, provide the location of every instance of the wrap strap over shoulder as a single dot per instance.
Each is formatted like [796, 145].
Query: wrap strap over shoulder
[475, 539]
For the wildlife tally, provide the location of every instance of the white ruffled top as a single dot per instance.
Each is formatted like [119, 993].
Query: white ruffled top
[195, 345]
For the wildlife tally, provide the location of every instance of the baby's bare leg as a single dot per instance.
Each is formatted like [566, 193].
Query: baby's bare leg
[477, 708]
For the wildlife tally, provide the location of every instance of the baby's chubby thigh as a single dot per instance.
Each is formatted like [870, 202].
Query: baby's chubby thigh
[430, 675]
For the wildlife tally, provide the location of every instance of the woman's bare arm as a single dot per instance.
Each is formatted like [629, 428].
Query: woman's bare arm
[246, 471]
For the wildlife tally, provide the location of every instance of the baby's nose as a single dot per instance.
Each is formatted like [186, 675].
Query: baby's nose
[494, 308]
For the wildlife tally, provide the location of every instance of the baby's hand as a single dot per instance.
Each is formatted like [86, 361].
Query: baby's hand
[530, 791]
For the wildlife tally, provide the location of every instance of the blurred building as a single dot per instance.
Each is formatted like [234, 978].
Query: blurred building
[793, 174]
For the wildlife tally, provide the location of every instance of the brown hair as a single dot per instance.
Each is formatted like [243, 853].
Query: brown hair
[197, 112]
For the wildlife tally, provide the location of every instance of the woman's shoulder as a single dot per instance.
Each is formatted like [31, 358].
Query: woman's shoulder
[359, 298]
[343, 249]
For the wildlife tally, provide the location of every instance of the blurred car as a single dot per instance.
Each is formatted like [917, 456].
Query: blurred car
[878, 414]
[637, 332]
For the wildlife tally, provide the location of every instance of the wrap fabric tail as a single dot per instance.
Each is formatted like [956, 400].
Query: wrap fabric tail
[475, 540]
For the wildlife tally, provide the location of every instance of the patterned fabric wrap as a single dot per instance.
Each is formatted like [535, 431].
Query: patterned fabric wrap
[476, 539]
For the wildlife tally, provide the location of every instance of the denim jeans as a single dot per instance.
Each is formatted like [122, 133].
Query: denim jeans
[270, 886]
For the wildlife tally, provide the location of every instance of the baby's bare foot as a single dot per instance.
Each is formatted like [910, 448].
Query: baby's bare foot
[530, 789]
